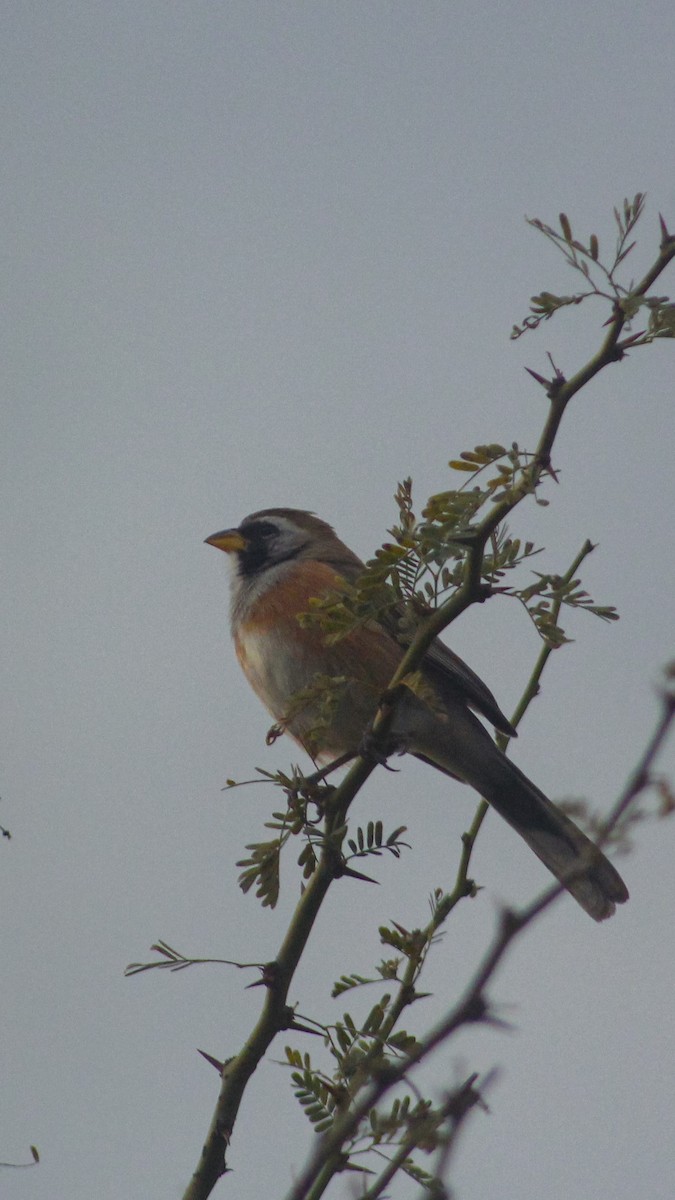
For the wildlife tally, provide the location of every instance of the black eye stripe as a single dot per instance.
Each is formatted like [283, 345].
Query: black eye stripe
[263, 549]
[259, 529]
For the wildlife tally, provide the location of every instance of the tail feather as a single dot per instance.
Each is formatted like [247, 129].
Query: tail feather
[572, 857]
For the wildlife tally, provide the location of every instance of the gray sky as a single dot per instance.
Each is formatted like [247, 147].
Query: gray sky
[264, 254]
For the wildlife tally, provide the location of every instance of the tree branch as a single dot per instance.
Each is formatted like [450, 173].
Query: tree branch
[276, 1015]
[473, 1006]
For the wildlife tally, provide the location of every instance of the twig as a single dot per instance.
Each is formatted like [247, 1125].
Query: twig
[473, 1005]
[275, 1013]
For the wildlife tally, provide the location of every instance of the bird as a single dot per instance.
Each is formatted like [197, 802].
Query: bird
[284, 558]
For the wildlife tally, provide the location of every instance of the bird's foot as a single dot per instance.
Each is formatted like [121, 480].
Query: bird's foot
[378, 749]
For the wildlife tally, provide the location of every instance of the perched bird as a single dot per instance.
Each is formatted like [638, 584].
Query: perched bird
[282, 559]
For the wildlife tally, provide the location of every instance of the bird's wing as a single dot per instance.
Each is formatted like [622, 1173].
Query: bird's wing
[446, 671]
[452, 679]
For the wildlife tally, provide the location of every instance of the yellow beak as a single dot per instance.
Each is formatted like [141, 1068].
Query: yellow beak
[229, 540]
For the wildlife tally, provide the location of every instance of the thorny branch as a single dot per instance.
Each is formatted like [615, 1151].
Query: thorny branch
[473, 1005]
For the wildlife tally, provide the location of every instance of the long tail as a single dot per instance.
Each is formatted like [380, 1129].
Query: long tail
[553, 837]
[559, 843]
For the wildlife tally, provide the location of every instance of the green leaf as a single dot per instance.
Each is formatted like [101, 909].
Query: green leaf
[346, 982]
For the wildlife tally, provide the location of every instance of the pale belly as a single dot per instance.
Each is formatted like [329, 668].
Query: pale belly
[325, 700]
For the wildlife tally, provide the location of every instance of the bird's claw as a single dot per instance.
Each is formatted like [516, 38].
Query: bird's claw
[374, 749]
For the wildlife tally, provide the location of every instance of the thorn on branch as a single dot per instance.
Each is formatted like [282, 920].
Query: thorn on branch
[297, 1027]
[543, 462]
[220, 1066]
[621, 347]
[553, 386]
[545, 383]
[269, 976]
[343, 871]
[667, 239]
